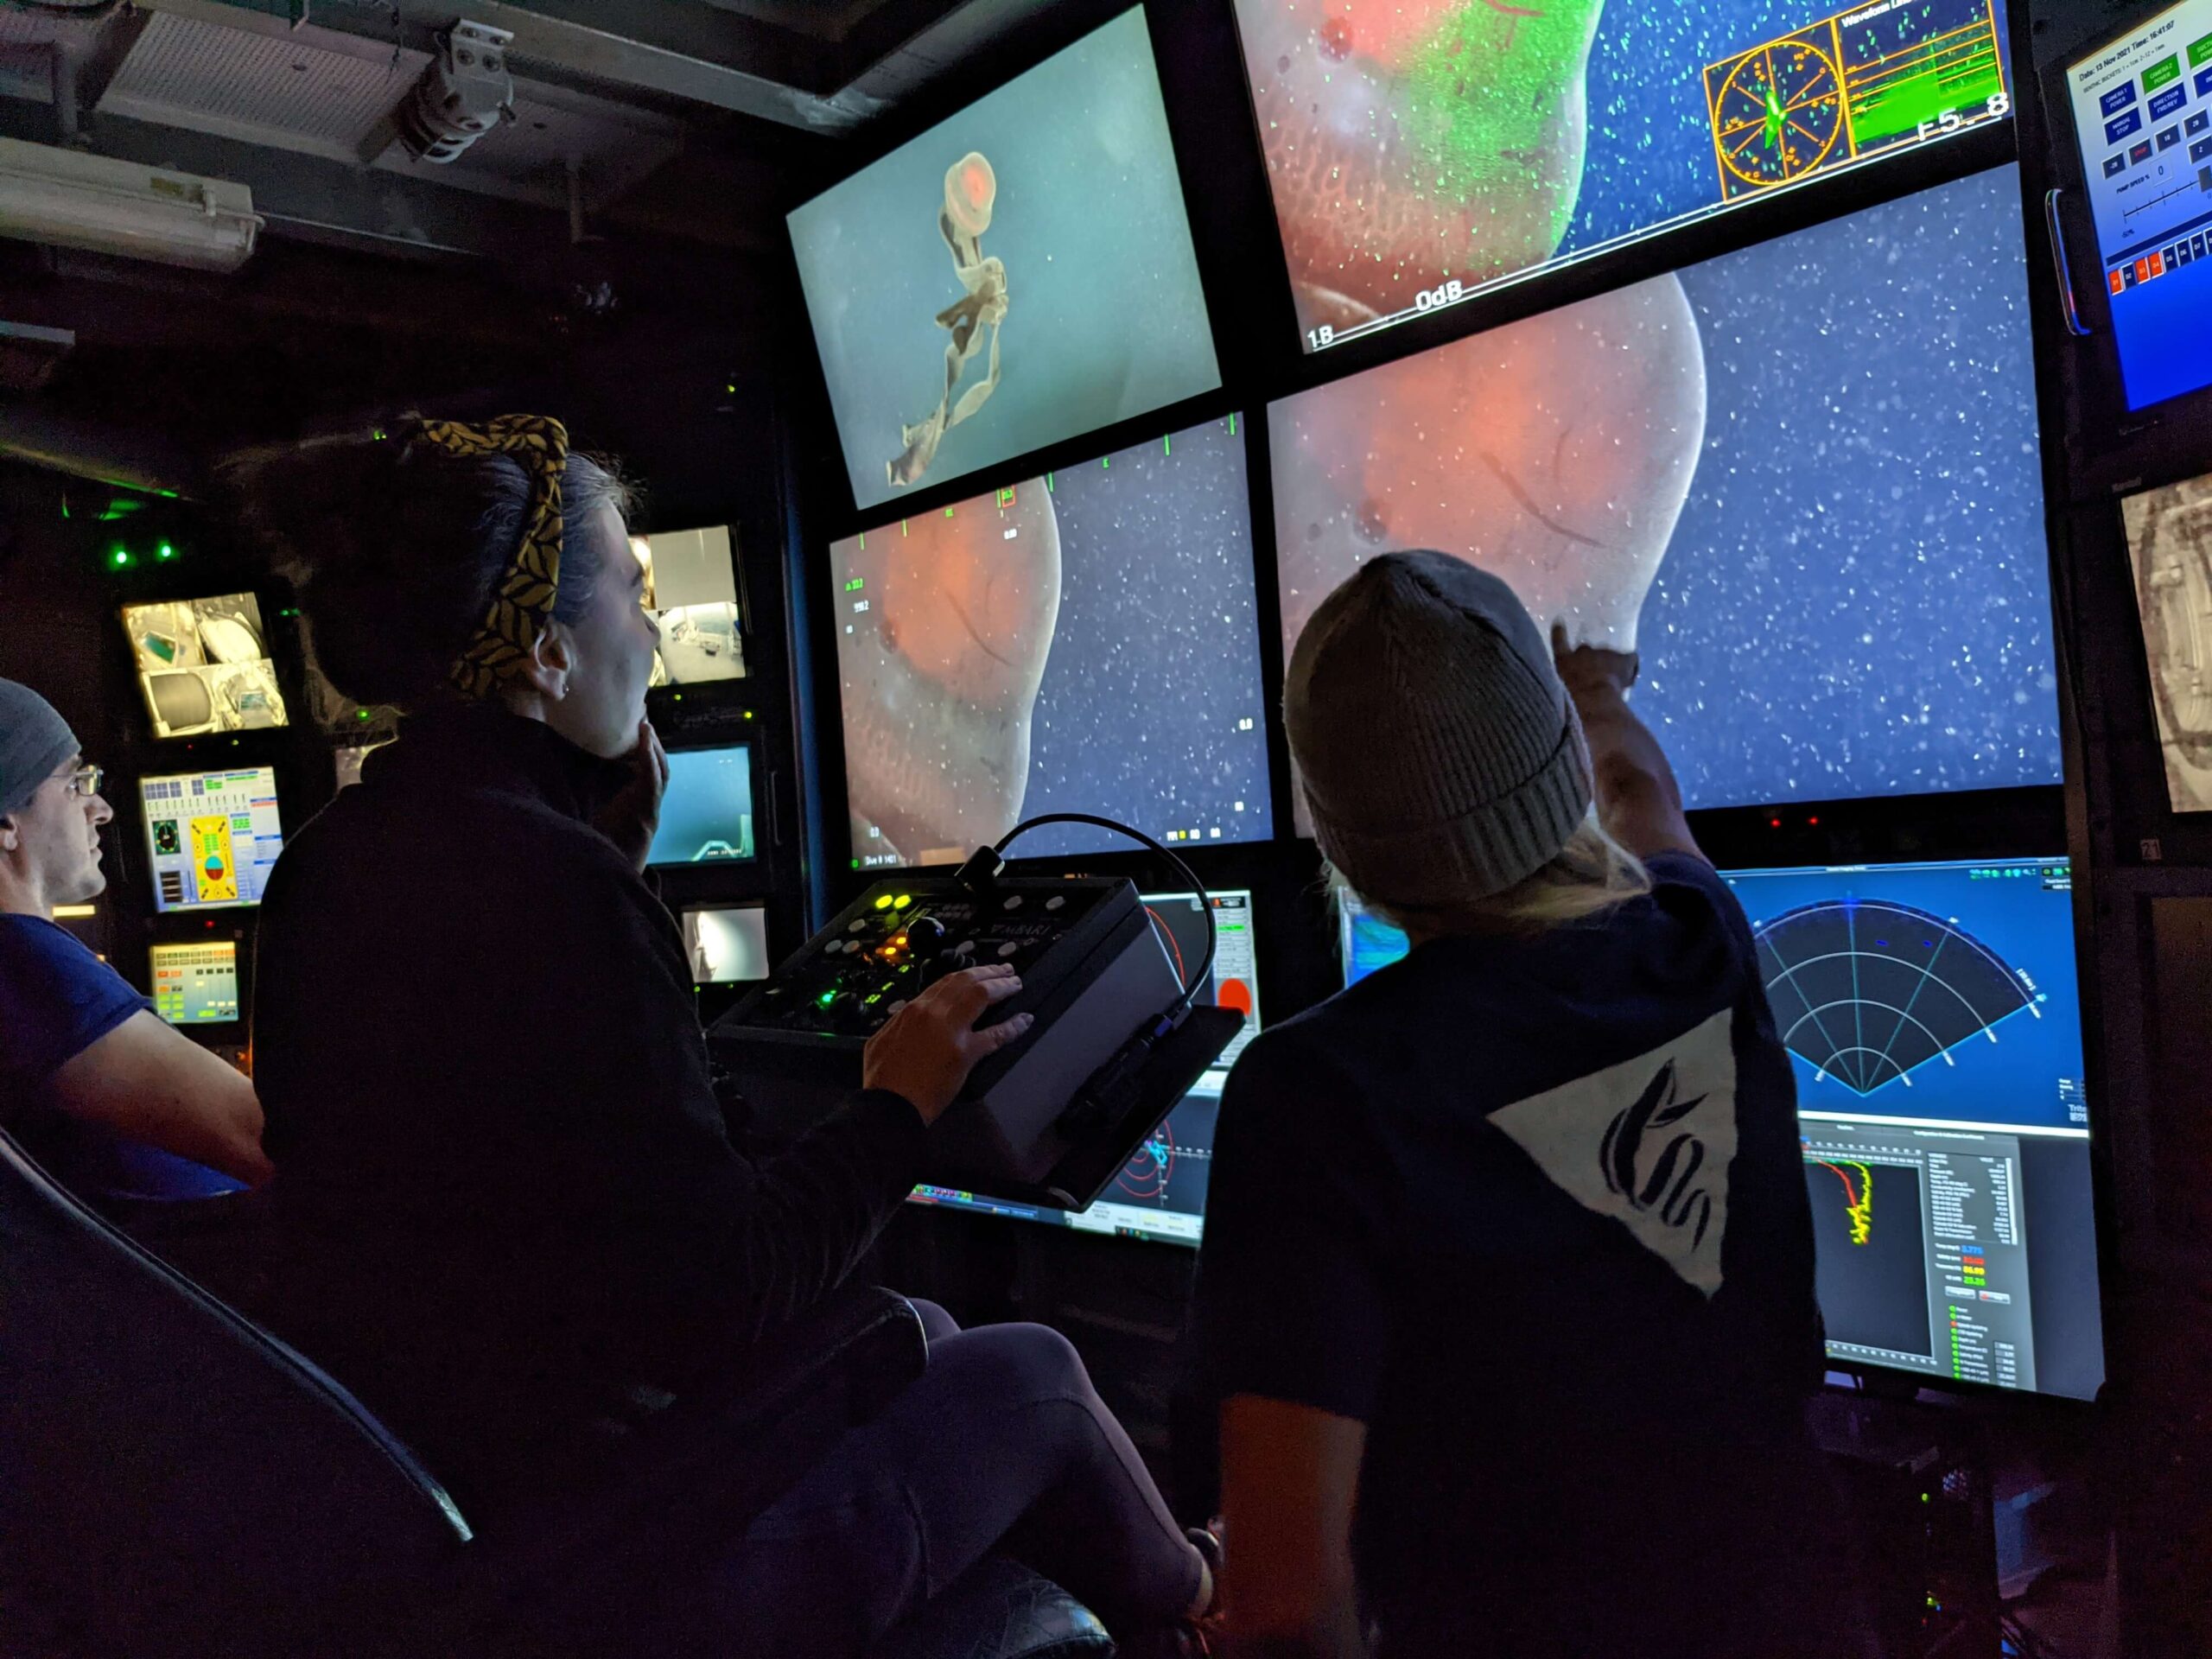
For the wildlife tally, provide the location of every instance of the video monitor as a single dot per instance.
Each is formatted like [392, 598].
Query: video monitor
[1366, 943]
[196, 984]
[1422, 152]
[1803, 479]
[203, 665]
[212, 837]
[1160, 1193]
[2142, 112]
[1087, 641]
[1019, 274]
[1933, 1018]
[691, 590]
[2169, 546]
[728, 943]
[706, 815]
[347, 762]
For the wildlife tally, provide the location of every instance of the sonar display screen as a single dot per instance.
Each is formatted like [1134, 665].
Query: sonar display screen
[1803, 480]
[1021, 273]
[1087, 641]
[1423, 150]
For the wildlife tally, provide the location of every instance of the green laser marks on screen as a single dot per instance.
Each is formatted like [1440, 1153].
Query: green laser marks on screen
[1484, 96]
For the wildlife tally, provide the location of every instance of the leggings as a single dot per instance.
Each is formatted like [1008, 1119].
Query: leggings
[1001, 1444]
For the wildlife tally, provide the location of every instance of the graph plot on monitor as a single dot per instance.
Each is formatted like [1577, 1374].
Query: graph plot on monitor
[1850, 87]
[1871, 1253]
[1866, 991]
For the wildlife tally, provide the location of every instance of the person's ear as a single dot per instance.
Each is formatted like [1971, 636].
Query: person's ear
[552, 659]
[11, 834]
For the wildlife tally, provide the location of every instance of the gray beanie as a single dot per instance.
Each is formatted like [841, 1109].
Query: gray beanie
[1439, 755]
[33, 742]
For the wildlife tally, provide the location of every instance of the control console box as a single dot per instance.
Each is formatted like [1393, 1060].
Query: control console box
[1093, 972]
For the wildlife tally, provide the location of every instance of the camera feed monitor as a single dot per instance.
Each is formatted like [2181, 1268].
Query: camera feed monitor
[706, 815]
[1933, 1018]
[692, 591]
[2143, 118]
[1087, 641]
[203, 665]
[728, 943]
[1019, 274]
[1803, 480]
[212, 837]
[1160, 1193]
[2169, 546]
[1421, 152]
[346, 763]
[196, 984]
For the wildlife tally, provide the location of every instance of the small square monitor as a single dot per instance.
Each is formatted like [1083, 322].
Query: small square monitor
[692, 591]
[347, 762]
[211, 837]
[2170, 544]
[1365, 940]
[203, 665]
[728, 943]
[706, 817]
[196, 984]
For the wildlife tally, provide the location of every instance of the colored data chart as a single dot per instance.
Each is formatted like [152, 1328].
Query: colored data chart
[1892, 73]
[1867, 992]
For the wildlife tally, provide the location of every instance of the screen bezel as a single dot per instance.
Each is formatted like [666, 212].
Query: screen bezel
[146, 835]
[750, 907]
[921, 118]
[239, 977]
[1618, 263]
[753, 860]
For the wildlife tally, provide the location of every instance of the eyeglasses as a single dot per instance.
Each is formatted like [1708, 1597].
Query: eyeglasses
[85, 782]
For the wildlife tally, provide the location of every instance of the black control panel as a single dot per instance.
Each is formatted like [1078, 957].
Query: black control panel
[898, 937]
[1045, 1119]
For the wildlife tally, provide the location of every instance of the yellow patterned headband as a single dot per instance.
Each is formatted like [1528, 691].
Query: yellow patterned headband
[523, 603]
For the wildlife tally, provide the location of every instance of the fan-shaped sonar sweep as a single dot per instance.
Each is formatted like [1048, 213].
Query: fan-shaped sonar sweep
[1866, 991]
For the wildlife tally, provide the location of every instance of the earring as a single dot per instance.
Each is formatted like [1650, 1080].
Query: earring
[561, 692]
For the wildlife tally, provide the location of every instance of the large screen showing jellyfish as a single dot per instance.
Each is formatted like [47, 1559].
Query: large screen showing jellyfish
[1087, 641]
[1423, 150]
[1019, 274]
[1803, 480]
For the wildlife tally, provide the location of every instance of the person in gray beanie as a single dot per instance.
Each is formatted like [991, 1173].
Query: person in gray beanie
[113, 1103]
[1509, 1254]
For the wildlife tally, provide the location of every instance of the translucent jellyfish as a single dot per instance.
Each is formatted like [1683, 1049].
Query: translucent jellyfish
[971, 190]
[940, 673]
[1557, 452]
[1416, 141]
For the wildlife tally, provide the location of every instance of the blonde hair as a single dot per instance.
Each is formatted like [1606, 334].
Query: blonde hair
[1590, 874]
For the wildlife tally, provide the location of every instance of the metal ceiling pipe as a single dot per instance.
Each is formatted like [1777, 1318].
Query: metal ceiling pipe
[125, 458]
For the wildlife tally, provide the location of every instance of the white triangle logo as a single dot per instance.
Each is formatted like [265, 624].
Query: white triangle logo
[1647, 1142]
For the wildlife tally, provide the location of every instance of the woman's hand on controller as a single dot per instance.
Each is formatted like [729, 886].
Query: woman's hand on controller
[632, 816]
[928, 1048]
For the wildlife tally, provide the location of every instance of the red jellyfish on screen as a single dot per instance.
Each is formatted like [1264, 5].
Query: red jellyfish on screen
[940, 672]
[1557, 452]
[971, 188]
[1417, 141]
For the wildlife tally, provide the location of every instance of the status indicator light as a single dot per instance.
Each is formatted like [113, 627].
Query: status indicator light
[883, 901]
[901, 902]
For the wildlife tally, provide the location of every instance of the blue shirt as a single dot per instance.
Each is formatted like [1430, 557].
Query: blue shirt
[1533, 1210]
[57, 999]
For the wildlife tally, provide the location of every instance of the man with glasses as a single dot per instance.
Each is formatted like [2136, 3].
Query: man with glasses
[114, 1103]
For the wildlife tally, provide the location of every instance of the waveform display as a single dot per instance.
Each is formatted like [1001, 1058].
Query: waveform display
[1871, 1263]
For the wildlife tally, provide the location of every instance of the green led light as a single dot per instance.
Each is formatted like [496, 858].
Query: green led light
[827, 998]
[883, 901]
[165, 551]
[119, 556]
[901, 902]
[360, 713]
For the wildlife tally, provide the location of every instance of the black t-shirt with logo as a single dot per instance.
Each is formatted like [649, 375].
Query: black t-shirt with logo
[1533, 1210]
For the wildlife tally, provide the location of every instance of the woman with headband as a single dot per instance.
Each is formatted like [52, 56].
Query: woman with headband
[508, 1206]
